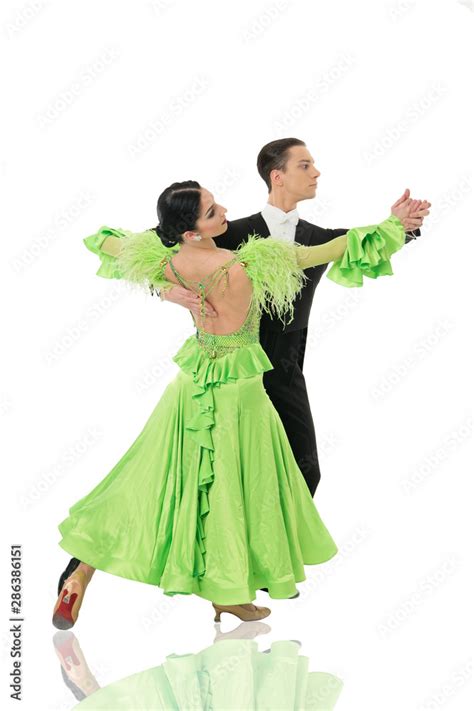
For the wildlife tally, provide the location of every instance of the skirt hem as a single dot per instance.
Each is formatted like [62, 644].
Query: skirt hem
[208, 590]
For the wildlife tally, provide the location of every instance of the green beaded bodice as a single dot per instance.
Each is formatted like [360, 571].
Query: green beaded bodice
[217, 345]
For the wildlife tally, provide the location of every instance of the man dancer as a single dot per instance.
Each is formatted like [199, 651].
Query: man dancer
[288, 170]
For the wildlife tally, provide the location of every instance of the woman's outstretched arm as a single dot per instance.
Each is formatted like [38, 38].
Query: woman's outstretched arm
[111, 246]
[321, 253]
[366, 253]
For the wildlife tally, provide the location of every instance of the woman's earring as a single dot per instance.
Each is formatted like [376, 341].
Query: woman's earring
[197, 238]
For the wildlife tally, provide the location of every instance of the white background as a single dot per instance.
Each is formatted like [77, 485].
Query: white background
[105, 104]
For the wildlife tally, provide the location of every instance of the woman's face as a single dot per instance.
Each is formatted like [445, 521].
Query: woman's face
[211, 221]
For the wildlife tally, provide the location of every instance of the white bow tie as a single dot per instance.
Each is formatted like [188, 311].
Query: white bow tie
[291, 217]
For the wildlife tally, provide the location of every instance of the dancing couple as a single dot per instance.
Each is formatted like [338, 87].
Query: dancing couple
[210, 498]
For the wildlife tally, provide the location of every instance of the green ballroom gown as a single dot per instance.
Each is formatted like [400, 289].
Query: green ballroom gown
[209, 498]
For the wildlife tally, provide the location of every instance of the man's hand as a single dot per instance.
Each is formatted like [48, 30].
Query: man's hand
[189, 299]
[411, 213]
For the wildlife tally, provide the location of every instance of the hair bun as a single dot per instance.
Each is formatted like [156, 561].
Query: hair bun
[167, 240]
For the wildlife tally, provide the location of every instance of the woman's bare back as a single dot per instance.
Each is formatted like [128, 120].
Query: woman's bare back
[229, 291]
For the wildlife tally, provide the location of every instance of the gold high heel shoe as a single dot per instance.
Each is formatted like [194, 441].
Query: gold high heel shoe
[258, 613]
[68, 604]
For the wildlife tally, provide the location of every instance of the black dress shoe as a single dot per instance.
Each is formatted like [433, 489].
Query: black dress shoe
[72, 565]
[290, 598]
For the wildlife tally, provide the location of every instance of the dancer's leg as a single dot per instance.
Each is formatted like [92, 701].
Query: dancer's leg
[286, 388]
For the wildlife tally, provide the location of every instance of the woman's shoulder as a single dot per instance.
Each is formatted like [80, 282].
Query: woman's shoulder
[210, 260]
[220, 256]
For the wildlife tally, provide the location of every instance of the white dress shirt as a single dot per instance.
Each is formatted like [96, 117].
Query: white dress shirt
[281, 225]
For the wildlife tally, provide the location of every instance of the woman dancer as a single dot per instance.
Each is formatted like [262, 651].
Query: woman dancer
[208, 499]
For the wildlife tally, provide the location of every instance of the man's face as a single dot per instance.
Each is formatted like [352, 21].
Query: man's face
[299, 179]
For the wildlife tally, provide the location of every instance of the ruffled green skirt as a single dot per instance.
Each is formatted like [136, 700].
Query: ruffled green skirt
[209, 498]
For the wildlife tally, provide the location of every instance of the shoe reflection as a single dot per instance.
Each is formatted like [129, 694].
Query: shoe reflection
[246, 630]
[76, 674]
[230, 674]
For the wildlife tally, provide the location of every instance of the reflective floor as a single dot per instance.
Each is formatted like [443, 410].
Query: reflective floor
[230, 674]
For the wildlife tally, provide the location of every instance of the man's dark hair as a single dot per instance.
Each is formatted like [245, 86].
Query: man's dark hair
[274, 156]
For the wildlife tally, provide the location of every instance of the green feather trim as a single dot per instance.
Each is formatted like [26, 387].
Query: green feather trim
[142, 258]
[272, 266]
[270, 263]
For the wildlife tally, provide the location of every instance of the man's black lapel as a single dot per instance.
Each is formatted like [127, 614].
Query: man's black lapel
[258, 225]
[303, 232]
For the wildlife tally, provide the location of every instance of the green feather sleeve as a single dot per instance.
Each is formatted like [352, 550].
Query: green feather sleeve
[141, 259]
[362, 251]
[276, 277]
[368, 252]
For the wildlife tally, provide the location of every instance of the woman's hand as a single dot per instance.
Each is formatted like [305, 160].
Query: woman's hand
[189, 299]
[411, 213]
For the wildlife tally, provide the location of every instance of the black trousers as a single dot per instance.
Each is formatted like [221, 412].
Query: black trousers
[286, 388]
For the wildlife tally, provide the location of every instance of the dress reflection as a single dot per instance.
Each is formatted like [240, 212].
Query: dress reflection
[232, 673]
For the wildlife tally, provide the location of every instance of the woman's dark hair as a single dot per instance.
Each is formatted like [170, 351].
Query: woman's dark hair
[273, 156]
[178, 210]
